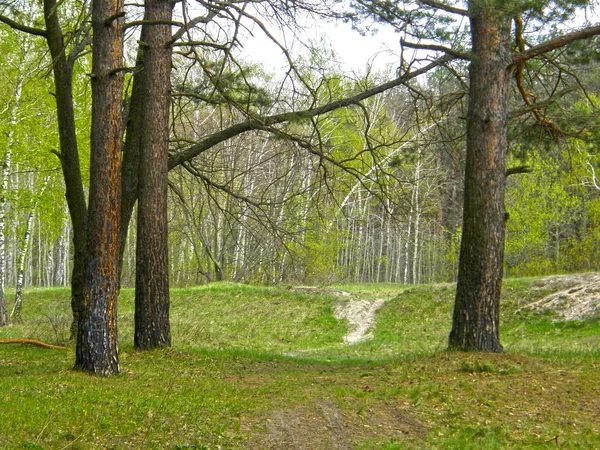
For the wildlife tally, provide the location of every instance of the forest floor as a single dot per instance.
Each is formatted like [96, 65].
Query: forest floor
[348, 367]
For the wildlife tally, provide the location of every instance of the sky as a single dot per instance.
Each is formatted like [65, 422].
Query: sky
[353, 50]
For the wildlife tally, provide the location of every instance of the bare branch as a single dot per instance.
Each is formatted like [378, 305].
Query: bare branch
[136, 23]
[192, 23]
[201, 44]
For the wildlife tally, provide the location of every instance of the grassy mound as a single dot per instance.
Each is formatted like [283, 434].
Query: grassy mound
[266, 367]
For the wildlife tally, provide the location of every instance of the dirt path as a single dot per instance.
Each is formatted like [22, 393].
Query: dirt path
[360, 315]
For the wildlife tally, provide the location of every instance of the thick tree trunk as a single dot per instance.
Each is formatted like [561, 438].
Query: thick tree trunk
[475, 319]
[69, 154]
[97, 350]
[152, 269]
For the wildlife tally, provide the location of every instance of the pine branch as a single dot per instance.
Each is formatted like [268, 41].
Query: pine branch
[436, 48]
[553, 44]
[541, 104]
[444, 7]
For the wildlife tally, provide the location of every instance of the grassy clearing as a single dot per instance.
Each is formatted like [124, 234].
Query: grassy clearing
[264, 367]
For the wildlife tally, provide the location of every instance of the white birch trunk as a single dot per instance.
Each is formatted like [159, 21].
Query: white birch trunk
[18, 305]
[4, 191]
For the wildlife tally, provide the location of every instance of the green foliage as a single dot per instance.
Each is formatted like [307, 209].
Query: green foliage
[553, 218]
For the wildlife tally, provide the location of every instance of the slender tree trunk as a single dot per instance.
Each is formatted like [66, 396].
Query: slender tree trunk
[415, 261]
[152, 328]
[408, 237]
[475, 319]
[97, 350]
[18, 305]
[3, 195]
[23, 252]
[68, 155]
[131, 148]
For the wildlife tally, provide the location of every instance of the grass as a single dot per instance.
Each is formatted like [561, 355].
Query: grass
[265, 367]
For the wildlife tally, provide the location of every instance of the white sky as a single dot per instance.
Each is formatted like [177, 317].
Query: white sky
[353, 50]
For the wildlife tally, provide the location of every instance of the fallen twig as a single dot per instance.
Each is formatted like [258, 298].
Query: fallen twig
[32, 342]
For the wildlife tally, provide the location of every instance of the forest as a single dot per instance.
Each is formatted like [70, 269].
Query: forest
[143, 148]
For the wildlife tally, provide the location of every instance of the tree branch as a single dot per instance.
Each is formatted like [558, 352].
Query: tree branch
[443, 7]
[541, 104]
[437, 48]
[519, 169]
[553, 44]
[192, 23]
[20, 27]
[135, 23]
[259, 123]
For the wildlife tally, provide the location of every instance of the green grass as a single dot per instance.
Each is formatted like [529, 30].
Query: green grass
[265, 367]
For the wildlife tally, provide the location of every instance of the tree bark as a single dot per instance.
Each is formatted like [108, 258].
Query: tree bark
[69, 153]
[475, 318]
[97, 350]
[152, 328]
[131, 148]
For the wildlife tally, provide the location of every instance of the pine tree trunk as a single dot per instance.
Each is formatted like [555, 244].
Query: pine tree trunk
[475, 318]
[131, 149]
[69, 155]
[97, 350]
[152, 328]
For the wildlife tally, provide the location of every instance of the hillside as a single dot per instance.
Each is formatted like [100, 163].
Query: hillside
[274, 367]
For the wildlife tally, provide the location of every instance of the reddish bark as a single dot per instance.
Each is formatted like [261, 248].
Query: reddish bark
[475, 319]
[97, 350]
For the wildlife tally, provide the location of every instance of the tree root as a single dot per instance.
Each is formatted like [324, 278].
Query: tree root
[32, 342]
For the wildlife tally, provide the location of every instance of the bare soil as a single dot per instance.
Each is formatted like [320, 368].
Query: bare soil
[325, 426]
[573, 297]
[359, 313]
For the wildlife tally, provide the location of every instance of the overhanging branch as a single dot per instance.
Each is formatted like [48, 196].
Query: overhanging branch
[259, 123]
